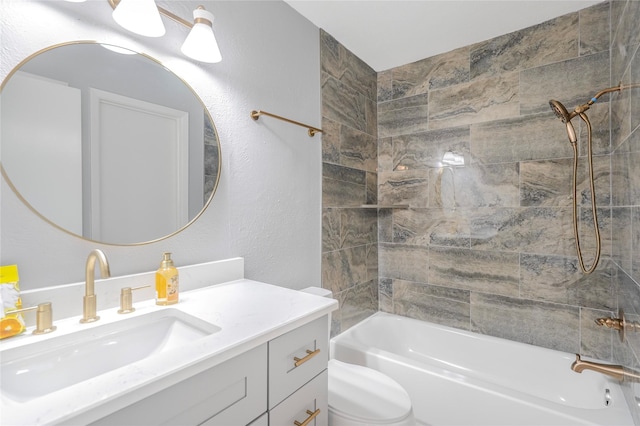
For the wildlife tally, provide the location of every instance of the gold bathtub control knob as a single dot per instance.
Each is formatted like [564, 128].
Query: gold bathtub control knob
[126, 299]
[620, 324]
[615, 323]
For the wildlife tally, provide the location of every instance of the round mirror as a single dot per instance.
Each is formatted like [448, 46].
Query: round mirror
[106, 143]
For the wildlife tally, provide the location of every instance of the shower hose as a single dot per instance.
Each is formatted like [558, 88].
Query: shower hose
[594, 213]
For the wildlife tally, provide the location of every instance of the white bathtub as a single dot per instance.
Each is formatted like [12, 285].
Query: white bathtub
[462, 378]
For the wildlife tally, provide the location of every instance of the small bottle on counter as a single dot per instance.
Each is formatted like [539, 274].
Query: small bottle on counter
[167, 286]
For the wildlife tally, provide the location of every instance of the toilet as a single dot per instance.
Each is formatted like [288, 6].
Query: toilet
[362, 396]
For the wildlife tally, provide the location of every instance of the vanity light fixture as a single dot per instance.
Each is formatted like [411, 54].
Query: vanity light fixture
[201, 43]
[143, 17]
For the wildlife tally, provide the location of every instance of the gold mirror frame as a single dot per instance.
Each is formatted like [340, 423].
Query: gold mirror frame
[156, 61]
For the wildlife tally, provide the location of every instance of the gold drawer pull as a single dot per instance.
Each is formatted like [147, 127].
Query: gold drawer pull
[312, 415]
[300, 361]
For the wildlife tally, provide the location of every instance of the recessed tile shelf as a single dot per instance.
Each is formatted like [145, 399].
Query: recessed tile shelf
[382, 206]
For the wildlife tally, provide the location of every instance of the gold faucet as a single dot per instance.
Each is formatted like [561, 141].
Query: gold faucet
[616, 371]
[89, 300]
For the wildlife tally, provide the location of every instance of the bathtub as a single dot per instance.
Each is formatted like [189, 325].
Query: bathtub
[456, 377]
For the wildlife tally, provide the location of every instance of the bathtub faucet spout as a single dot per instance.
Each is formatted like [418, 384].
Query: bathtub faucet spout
[618, 372]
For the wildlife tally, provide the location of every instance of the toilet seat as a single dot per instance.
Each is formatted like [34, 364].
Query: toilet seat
[366, 395]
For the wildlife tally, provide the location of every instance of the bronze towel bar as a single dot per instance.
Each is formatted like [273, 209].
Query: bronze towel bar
[312, 130]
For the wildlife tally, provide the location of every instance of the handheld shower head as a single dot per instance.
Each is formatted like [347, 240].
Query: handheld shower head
[562, 113]
[559, 109]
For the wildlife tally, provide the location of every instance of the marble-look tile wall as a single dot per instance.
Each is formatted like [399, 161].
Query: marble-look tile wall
[467, 139]
[625, 178]
[350, 157]
[487, 244]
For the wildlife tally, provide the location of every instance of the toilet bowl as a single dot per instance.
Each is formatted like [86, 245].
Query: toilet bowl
[362, 396]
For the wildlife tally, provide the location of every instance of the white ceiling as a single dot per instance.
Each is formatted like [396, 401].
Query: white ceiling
[389, 33]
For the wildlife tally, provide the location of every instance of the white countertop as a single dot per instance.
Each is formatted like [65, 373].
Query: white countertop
[248, 312]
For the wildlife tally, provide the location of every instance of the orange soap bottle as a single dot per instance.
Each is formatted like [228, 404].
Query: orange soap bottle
[167, 283]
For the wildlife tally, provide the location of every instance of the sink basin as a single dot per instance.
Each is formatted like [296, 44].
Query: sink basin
[34, 370]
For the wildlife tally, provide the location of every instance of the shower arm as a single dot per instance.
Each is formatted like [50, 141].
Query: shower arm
[582, 108]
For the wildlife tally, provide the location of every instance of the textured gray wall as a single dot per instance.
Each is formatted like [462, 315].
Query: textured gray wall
[267, 205]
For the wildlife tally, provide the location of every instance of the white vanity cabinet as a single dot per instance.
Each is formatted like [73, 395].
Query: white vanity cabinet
[307, 406]
[298, 381]
[263, 361]
[278, 383]
[231, 393]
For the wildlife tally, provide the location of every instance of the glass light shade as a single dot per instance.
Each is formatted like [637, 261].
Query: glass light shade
[139, 16]
[201, 43]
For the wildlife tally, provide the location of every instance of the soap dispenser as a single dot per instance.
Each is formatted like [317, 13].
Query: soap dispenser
[167, 282]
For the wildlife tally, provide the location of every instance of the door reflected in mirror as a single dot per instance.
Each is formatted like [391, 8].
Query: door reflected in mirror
[108, 146]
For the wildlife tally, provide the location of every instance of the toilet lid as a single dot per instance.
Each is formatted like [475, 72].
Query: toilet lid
[366, 394]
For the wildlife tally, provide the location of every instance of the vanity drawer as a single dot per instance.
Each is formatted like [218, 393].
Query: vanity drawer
[230, 393]
[310, 401]
[297, 357]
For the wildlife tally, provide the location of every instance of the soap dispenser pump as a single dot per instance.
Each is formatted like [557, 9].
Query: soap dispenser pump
[167, 285]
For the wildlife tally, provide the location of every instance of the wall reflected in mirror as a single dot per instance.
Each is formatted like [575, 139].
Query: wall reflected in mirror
[107, 144]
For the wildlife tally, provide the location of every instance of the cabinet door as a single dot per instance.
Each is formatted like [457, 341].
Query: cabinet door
[238, 390]
[263, 420]
[309, 346]
[308, 402]
[232, 393]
